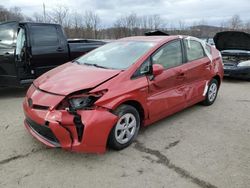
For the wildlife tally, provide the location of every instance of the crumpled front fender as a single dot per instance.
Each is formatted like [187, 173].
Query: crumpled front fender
[97, 125]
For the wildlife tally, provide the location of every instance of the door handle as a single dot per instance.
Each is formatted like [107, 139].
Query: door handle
[207, 65]
[7, 54]
[180, 76]
[59, 49]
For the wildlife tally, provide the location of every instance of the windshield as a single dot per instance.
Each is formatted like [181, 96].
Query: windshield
[117, 55]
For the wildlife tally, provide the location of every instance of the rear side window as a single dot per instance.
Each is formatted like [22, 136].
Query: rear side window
[194, 50]
[169, 55]
[44, 36]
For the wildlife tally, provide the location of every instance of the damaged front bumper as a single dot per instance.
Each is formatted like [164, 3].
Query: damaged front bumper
[57, 128]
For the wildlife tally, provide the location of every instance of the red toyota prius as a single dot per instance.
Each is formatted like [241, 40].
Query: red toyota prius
[102, 99]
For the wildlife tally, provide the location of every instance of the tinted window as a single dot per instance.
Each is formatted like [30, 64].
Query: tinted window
[44, 36]
[7, 34]
[194, 50]
[169, 55]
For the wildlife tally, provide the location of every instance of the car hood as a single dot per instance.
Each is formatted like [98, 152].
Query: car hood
[71, 77]
[232, 40]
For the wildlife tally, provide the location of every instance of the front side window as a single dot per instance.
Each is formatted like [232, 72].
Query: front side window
[116, 55]
[7, 34]
[194, 50]
[169, 56]
[44, 36]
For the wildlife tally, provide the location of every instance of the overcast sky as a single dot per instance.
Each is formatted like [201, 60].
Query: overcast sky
[213, 11]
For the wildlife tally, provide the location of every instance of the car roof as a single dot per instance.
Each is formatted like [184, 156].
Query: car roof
[157, 39]
[38, 23]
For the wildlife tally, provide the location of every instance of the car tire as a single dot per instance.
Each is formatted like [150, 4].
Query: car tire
[212, 92]
[126, 129]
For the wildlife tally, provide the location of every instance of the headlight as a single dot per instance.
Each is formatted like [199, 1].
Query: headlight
[244, 64]
[85, 100]
[82, 102]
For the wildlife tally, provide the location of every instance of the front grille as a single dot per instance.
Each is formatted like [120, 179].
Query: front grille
[43, 131]
[230, 64]
[39, 107]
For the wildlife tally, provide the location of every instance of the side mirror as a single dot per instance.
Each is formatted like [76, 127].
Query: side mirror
[157, 69]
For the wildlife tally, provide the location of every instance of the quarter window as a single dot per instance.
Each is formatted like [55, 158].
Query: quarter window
[194, 50]
[143, 69]
[44, 36]
[169, 56]
[208, 48]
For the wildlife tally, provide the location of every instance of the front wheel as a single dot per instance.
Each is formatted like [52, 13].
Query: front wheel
[126, 128]
[212, 92]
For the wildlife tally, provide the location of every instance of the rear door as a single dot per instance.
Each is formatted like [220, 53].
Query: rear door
[48, 47]
[8, 32]
[166, 91]
[198, 69]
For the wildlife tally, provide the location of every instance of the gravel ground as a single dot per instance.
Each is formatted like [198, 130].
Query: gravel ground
[198, 147]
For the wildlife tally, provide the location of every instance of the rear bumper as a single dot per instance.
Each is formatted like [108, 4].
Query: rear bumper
[237, 72]
[56, 128]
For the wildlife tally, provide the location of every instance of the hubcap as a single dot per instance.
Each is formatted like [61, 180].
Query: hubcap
[125, 128]
[212, 92]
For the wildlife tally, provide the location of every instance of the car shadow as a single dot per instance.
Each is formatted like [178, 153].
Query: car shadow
[8, 92]
[167, 121]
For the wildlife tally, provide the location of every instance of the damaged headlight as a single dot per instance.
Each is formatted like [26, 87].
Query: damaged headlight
[244, 64]
[83, 102]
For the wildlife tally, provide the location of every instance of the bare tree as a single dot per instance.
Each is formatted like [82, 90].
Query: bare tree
[59, 15]
[235, 22]
[38, 17]
[247, 26]
[181, 24]
[157, 21]
[4, 14]
[92, 22]
[14, 13]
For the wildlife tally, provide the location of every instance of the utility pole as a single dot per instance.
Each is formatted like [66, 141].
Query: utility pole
[44, 13]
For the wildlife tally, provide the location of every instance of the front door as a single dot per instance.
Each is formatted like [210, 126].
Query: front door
[167, 90]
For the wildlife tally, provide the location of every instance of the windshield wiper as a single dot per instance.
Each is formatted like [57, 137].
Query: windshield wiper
[95, 65]
[75, 61]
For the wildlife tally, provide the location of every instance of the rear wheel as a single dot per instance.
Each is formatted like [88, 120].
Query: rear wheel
[212, 92]
[126, 128]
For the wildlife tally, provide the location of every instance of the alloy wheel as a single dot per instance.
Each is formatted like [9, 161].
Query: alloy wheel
[125, 128]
